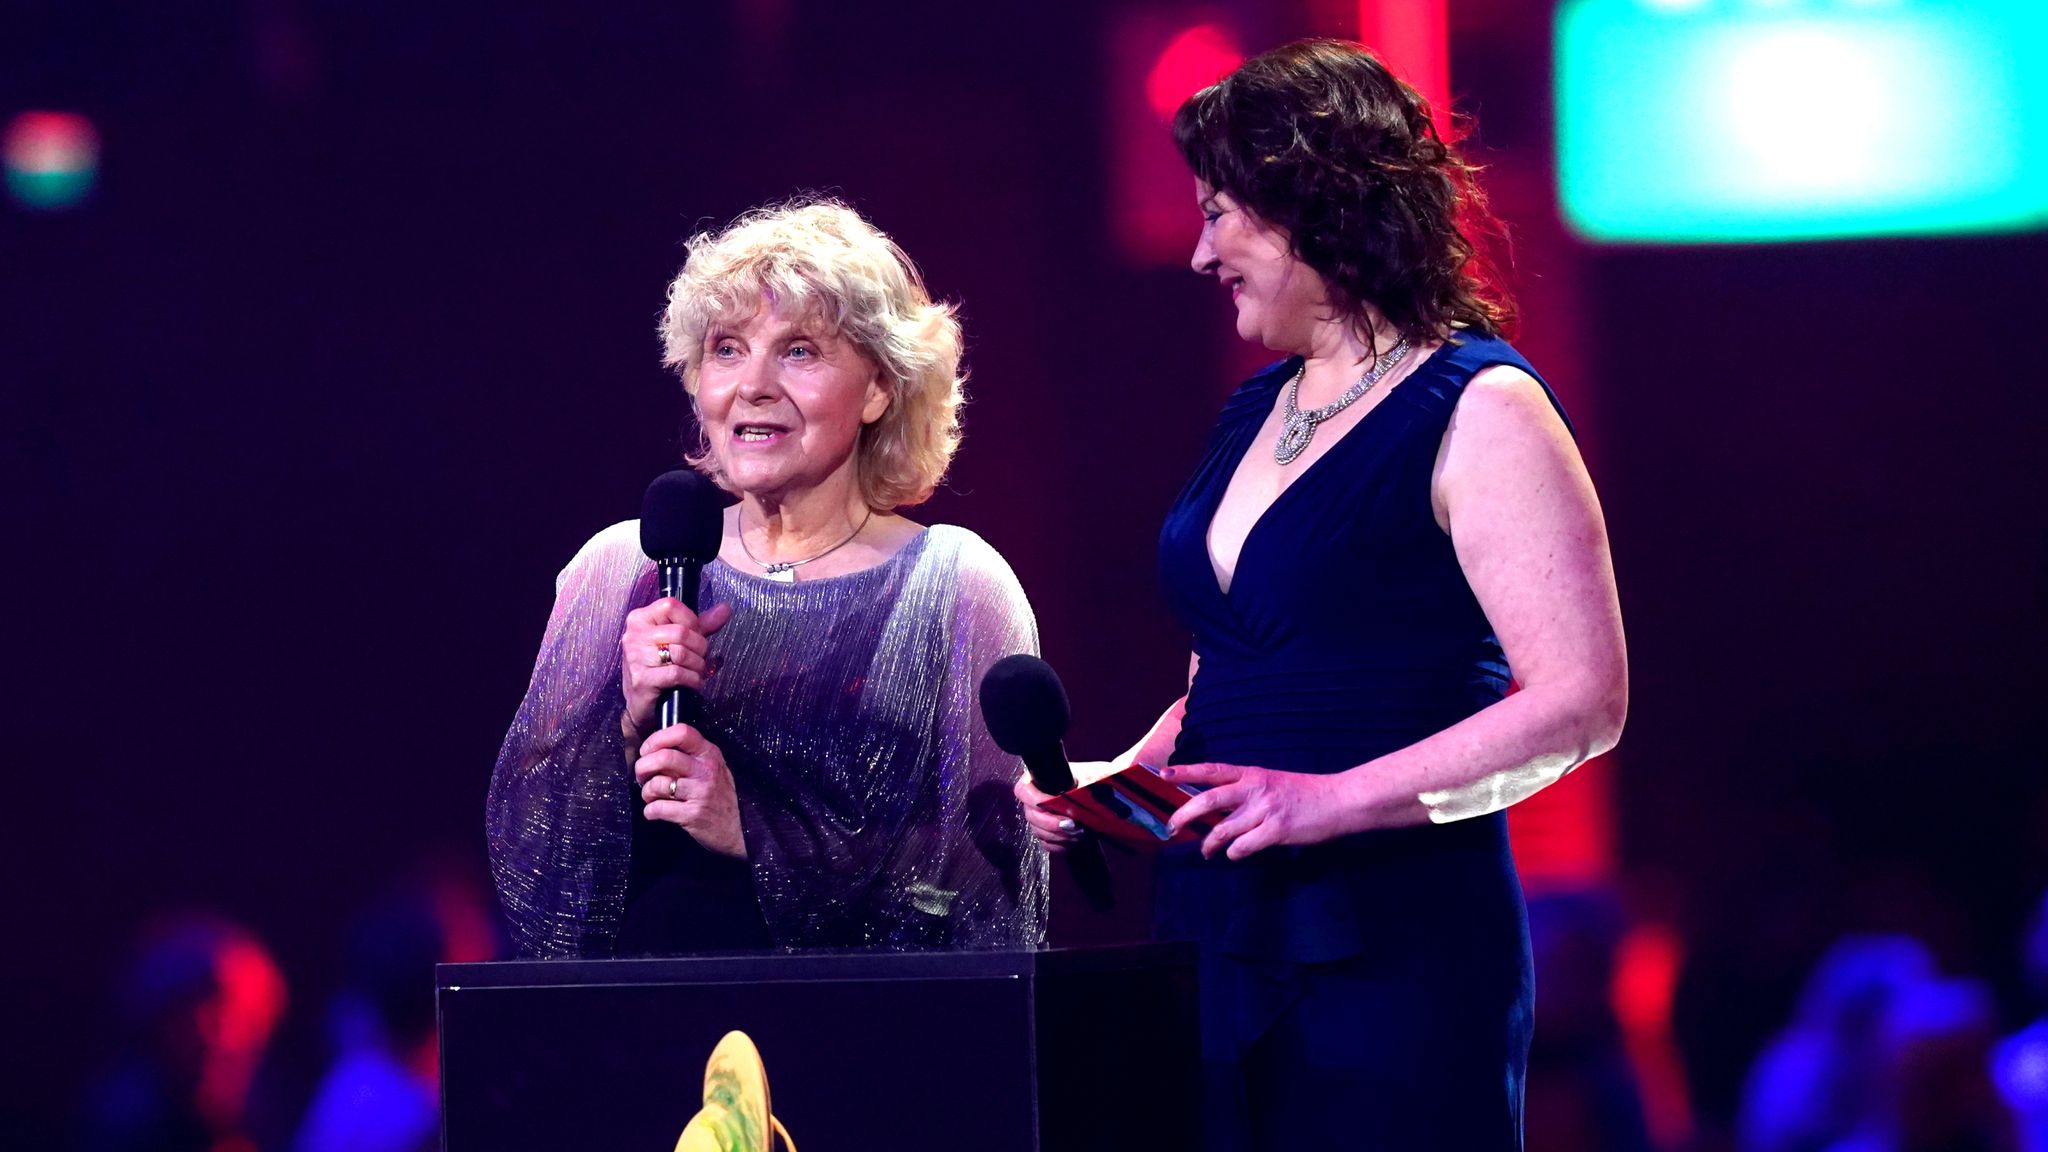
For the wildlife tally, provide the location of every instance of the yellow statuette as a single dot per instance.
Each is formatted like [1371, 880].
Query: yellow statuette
[736, 1116]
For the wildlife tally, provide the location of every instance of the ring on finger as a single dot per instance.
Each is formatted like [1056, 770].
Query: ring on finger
[671, 787]
[663, 655]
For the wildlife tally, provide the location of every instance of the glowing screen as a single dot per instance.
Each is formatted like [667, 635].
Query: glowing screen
[1689, 121]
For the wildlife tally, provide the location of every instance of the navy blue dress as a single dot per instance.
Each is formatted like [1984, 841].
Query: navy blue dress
[1376, 990]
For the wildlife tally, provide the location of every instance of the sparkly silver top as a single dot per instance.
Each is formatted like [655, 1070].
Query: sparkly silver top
[877, 811]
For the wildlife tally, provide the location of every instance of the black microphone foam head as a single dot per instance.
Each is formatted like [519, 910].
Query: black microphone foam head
[683, 517]
[1024, 704]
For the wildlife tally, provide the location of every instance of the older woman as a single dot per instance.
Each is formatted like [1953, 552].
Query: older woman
[1389, 524]
[841, 792]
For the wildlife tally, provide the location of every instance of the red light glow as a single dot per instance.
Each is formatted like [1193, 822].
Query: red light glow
[1564, 835]
[51, 159]
[1194, 60]
[1646, 971]
[51, 142]
[1413, 38]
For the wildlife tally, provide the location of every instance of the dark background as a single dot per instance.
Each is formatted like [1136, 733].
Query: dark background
[354, 346]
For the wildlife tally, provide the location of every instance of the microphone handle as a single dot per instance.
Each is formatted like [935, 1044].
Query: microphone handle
[681, 579]
[1053, 775]
[681, 706]
[658, 846]
[1091, 873]
[1050, 772]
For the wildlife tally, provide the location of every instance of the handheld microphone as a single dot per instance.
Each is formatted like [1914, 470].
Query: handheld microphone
[1026, 710]
[682, 522]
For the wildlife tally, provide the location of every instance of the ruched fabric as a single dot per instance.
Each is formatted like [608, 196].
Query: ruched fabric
[1348, 632]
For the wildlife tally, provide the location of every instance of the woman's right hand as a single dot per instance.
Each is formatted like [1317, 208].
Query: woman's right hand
[643, 672]
[1053, 830]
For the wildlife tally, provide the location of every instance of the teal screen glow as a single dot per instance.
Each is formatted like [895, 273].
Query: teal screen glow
[1703, 121]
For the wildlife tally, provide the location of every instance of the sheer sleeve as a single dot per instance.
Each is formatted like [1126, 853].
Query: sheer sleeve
[560, 810]
[999, 870]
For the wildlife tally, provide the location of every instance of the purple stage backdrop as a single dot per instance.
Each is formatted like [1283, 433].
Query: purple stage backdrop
[353, 345]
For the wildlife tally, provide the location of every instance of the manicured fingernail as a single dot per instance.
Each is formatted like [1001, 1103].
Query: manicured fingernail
[1169, 773]
[1067, 824]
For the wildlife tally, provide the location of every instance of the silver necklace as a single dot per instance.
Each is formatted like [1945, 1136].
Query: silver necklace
[785, 570]
[1299, 427]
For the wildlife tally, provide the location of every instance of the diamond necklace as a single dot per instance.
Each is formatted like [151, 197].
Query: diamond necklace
[1299, 427]
[784, 571]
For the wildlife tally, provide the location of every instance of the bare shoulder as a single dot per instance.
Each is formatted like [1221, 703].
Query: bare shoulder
[1505, 440]
[1504, 400]
[1503, 412]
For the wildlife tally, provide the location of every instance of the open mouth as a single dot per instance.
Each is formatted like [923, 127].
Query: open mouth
[1234, 283]
[758, 433]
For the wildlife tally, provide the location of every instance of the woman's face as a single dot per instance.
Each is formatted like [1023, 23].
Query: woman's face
[1278, 297]
[782, 400]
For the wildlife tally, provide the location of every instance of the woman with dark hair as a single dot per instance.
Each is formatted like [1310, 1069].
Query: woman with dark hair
[1386, 522]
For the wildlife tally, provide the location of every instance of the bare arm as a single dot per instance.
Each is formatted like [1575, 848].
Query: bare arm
[1513, 493]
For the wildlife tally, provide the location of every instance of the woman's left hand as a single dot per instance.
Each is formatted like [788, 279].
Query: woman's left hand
[684, 780]
[1260, 807]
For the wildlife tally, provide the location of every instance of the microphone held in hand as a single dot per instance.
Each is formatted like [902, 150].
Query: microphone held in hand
[682, 523]
[1025, 708]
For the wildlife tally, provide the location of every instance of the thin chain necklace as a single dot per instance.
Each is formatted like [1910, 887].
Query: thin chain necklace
[1299, 427]
[785, 570]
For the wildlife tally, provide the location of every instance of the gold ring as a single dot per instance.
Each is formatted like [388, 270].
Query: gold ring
[664, 655]
[671, 787]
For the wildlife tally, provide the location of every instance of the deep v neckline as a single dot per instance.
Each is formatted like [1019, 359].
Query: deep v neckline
[1250, 438]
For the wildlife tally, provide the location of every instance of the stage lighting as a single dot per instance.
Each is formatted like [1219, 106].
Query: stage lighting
[1194, 60]
[52, 160]
[1155, 61]
[1702, 121]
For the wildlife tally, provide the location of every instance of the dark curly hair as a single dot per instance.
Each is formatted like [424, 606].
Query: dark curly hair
[1319, 140]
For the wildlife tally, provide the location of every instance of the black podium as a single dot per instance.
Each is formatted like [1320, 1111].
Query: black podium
[1066, 1050]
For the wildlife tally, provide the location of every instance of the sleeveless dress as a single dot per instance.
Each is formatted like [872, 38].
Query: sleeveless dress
[1376, 990]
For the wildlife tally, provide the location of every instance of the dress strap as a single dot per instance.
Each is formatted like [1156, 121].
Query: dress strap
[1443, 378]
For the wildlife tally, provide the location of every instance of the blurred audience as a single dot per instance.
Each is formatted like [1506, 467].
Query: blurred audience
[1822, 1080]
[200, 999]
[382, 1091]
[1582, 1095]
[1941, 1036]
[1749, 936]
[2020, 1064]
[1883, 1055]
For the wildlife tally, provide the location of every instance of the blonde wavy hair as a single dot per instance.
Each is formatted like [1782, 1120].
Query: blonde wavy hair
[818, 257]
